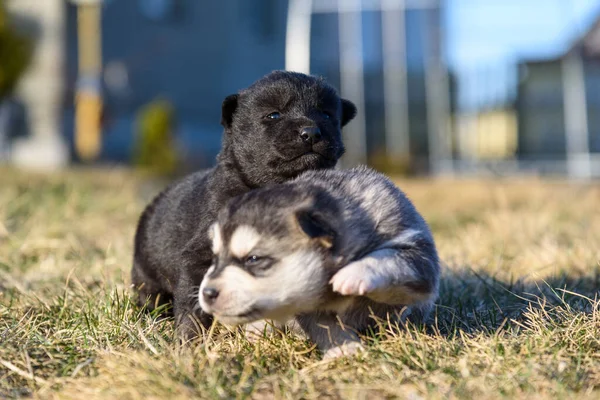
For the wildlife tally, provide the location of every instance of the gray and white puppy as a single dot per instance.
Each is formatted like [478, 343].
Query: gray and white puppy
[330, 249]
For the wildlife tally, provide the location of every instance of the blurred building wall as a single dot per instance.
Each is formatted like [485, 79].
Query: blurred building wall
[541, 109]
[193, 54]
[593, 97]
[537, 116]
[325, 60]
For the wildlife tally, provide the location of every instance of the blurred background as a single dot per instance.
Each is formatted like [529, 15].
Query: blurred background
[454, 87]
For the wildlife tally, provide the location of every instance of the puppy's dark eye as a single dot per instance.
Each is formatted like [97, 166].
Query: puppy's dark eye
[326, 115]
[252, 260]
[257, 265]
[274, 115]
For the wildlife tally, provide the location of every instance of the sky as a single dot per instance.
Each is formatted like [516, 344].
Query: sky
[490, 31]
[486, 39]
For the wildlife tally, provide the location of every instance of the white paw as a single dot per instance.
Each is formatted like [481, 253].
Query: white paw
[344, 350]
[356, 279]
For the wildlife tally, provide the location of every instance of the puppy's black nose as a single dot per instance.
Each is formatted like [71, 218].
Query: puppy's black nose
[311, 134]
[210, 294]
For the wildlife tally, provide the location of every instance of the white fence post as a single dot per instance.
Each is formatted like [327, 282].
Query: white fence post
[395, 90]
[352, 78]
[576, 118]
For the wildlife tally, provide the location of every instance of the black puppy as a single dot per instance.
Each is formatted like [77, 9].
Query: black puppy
[282, 125]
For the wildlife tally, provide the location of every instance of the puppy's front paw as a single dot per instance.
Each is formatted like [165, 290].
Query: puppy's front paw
[356, 279]
[344, 350]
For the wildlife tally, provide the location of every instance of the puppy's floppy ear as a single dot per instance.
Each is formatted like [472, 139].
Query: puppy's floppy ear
[315, 226]
[348, 111]
[228, 108]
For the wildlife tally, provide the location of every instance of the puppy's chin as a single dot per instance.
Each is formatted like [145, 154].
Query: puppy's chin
[235, 320]
[308, 161]
[280, 313]
[243, 317]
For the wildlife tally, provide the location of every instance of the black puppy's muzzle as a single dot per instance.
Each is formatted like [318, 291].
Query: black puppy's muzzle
[311, 134]
[210, 295]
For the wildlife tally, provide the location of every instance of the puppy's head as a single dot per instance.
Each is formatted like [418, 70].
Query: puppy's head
[282, 125]
[274, 255]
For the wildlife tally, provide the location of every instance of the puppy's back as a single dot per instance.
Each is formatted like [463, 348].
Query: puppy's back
[373, 206]
[163, 230]
[386, 240]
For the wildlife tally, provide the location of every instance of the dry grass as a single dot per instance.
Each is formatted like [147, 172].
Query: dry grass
[519, 314]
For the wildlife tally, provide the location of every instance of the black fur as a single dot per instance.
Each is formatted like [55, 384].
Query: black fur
[172, 249]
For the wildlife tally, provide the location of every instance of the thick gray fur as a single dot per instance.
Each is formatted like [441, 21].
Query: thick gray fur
[375, 254]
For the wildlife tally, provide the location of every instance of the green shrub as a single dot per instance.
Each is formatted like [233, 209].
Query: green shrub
[155, 147]
[382, 162]
[15, 54]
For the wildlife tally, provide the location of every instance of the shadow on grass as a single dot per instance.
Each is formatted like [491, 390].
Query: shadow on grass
[476, 302]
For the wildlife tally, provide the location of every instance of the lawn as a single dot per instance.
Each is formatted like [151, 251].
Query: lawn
[518, 314]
